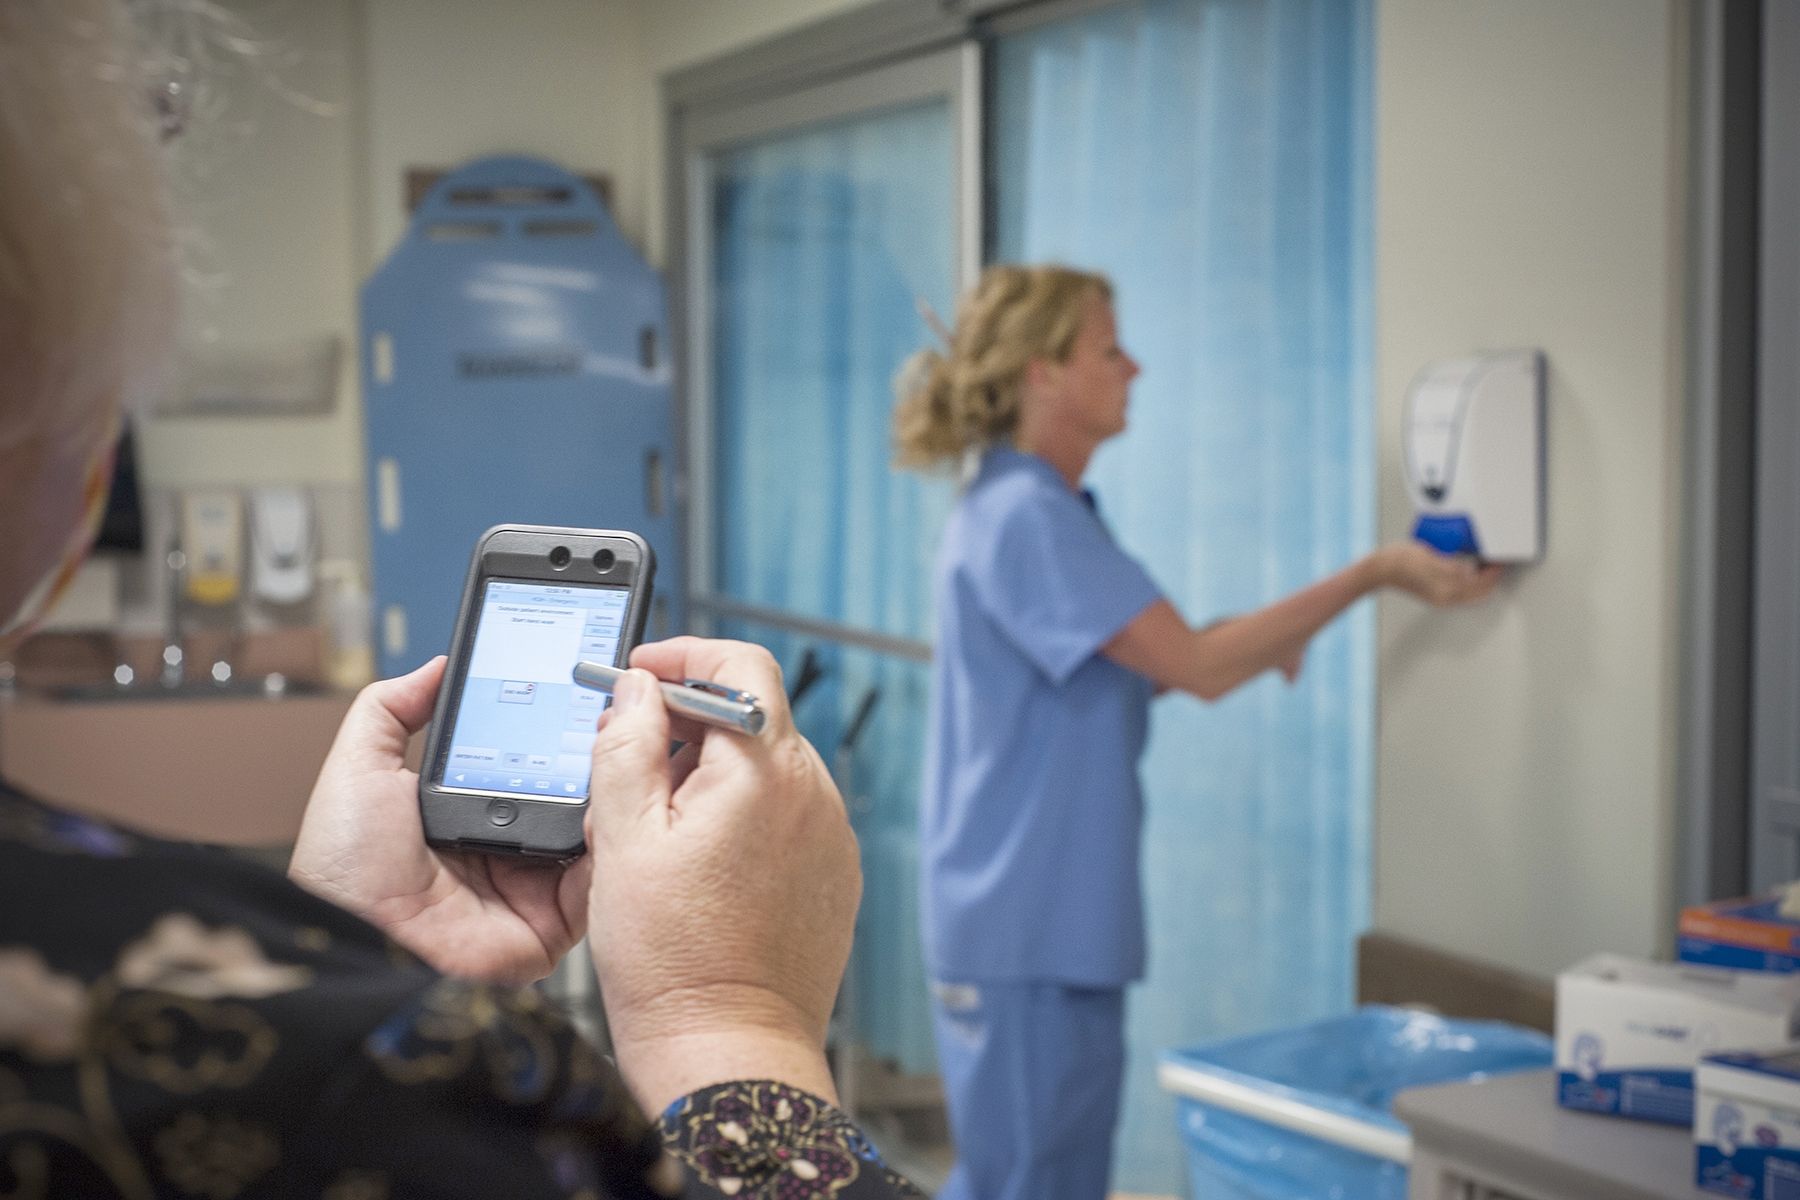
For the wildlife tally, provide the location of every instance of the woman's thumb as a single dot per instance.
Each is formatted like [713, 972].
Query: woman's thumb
[407, 698]
[631, 754]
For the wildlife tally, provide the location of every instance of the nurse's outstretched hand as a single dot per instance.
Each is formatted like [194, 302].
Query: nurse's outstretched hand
[1439, 579]
[726, 881]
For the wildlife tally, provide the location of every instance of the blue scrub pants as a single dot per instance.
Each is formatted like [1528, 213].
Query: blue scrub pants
[1032, 1072]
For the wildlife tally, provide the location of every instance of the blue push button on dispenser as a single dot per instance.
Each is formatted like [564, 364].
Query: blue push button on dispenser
[1448, 534]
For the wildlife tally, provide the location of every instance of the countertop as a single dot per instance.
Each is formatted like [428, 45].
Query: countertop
[228, 770]
[1512, 1127]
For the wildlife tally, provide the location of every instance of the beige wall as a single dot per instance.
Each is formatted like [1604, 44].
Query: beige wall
[1527, 195]
[449, 80]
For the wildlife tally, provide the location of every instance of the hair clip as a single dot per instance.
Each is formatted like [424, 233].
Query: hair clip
[170, 101]
[932, 320]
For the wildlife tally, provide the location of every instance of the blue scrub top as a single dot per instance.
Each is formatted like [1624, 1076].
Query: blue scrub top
[1031, 814]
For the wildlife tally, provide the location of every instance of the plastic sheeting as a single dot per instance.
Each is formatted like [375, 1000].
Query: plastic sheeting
[1348, 1068]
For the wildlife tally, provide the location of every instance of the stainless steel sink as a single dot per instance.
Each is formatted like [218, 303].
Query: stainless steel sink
[271, 687]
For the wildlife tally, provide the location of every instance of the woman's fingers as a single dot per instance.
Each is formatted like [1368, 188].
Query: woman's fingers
[682, 730]
[738, 665]
[631, 758]
[1485, 581]
[409, 698]
[1468, 582]
[682, 764]
[1442, 579]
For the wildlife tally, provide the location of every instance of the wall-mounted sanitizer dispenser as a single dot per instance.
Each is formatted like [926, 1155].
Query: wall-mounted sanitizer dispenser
[1474, 455]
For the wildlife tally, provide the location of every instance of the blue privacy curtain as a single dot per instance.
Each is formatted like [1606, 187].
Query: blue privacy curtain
[823, 241]
[1213, 157]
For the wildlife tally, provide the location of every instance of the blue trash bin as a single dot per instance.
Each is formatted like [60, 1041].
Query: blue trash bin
[1305, 1113]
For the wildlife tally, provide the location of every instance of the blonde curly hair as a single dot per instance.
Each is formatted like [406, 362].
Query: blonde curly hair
[968, 394]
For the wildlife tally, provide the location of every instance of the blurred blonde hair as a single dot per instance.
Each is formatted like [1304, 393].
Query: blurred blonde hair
[967, 395]
[88, 286]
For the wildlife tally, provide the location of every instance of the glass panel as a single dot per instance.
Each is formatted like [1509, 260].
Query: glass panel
[825, 241]
[1213, 158]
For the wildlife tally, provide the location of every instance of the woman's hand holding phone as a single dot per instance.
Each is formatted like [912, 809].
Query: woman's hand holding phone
[724, 880]
[725, 884]
[362, 847]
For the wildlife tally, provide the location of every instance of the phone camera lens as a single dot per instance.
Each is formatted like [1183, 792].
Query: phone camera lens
[603, 561]
[559, 557]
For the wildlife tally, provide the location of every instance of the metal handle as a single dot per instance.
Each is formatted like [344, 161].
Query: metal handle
[653, 482]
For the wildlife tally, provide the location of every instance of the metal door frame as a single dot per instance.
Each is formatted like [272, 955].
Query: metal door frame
[952, 73]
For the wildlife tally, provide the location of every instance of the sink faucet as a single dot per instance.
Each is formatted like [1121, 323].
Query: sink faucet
[173, 652]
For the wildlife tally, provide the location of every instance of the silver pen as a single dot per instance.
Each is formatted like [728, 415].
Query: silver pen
[699, 699]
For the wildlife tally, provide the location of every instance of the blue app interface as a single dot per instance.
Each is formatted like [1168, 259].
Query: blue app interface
[523, 727]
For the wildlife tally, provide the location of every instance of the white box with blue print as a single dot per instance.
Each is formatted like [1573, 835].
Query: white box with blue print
[1629, 1032]
[1747, 1124]
[1473, 448]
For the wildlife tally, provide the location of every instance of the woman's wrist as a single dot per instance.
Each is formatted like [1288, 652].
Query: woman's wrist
[663, 1069]
[1377, 570]
[675, 1042]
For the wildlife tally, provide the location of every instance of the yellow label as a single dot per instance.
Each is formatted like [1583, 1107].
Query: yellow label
[215, 588]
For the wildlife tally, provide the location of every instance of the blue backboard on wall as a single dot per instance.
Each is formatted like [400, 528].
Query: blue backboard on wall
[516, 368]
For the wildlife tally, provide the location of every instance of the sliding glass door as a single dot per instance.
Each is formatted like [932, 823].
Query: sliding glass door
[821, 224]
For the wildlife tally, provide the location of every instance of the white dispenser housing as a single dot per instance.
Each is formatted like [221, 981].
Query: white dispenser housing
[1473, 433]
[282, 534]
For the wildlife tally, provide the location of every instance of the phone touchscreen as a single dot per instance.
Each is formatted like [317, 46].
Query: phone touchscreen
[522, 727]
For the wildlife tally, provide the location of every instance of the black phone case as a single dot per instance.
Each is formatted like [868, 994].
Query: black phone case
[506, 824]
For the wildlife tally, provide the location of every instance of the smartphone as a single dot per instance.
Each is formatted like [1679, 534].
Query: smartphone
[509, 752]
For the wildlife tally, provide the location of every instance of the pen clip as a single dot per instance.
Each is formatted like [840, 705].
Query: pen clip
[719, 689]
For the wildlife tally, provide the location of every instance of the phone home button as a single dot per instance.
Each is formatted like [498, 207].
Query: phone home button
[503, 812]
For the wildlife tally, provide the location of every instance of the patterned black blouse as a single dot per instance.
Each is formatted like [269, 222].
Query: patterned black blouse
[178, 1022]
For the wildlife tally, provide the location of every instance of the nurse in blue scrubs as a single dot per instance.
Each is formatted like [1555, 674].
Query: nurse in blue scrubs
[1051, 641]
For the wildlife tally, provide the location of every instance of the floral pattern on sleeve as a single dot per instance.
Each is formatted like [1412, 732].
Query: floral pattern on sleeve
[171, 1014]
[766, 1139]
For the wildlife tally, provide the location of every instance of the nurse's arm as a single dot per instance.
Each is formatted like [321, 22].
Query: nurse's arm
[1211, 661]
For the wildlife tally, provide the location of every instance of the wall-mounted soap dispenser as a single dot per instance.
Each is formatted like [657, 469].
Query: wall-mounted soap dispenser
[212, 535]
[283, 537]
[1473, 433]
